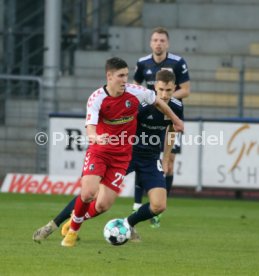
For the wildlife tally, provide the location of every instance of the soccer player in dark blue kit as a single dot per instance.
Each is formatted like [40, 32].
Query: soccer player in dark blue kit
[146, 69]
[151, 128]
[146, 156]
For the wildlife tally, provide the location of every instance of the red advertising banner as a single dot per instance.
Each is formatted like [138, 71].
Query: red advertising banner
[53, 184]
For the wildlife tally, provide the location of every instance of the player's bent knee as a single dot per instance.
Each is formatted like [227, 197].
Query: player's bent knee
[101, 207]
[158, 208]
[87, 196]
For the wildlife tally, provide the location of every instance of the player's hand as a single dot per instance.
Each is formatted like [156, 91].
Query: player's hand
[178, 125]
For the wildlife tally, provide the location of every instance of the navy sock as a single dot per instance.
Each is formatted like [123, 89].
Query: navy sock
[138, 194]
[138, 191]
[142, 214]
[169, 182]
[65, 213]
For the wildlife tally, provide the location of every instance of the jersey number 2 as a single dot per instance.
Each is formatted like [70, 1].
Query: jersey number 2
[119, 178]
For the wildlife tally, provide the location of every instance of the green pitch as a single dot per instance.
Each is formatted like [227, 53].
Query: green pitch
[196, 237]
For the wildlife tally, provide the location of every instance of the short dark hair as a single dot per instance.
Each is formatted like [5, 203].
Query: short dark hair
[165, 76]
[115, 63]
[160, 30]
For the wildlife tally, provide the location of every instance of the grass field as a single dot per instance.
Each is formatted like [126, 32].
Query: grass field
[196, 237]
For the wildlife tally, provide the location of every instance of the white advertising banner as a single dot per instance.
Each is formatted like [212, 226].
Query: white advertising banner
[214, 154]
[235, 163]
[66, 145]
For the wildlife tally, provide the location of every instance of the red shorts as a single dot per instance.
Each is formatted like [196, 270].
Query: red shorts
[112, 170]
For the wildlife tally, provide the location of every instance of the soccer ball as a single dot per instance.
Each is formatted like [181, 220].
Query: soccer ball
[117, 231]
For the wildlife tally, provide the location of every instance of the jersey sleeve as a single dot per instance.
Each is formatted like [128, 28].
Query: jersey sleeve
[93, 108]
[179, 112]
[139, 73]
[177, 107]
[181, 72]
[150, 96]
[142, 93]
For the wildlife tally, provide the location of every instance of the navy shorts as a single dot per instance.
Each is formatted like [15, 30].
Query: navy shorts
[149, 172]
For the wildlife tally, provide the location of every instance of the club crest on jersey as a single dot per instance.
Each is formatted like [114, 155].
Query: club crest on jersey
[149, 72]
[91, 167]
[128, 103]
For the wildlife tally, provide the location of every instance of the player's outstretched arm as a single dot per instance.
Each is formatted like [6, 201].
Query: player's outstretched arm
[164, 108]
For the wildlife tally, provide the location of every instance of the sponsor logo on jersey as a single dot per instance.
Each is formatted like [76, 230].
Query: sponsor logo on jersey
[168, 69]
[128, 104]
[149, 72]
[119, 121]
[91, 167]
[88, 117]
[150, 117]
[153, 127]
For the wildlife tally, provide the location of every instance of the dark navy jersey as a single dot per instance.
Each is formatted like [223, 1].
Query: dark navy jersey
[147, 68]
[151, 127]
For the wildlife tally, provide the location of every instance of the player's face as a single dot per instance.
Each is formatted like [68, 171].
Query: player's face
[116, 81]
[159, 44]
[164, 90]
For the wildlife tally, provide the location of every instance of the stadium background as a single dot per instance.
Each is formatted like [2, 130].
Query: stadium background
[52, 55]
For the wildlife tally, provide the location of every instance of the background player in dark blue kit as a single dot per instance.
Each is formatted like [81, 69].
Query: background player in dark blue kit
[152, 125]
[146, 69]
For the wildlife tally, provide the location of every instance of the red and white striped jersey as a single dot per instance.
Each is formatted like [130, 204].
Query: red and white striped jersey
[117, 116]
